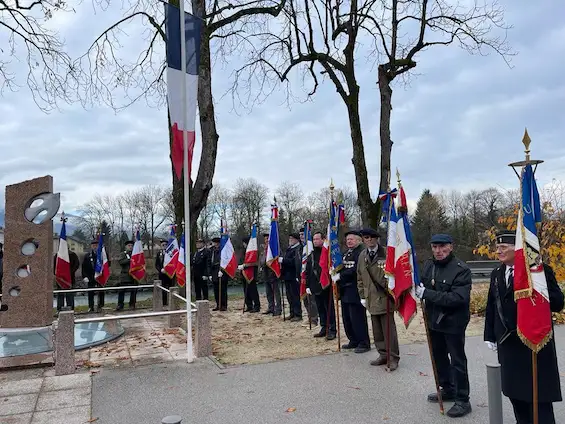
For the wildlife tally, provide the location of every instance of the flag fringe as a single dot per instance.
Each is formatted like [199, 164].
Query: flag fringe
[533, 346]
[523, 294]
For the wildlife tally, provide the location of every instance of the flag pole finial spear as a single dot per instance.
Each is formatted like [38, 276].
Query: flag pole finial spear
[398, 176]
[526, 141]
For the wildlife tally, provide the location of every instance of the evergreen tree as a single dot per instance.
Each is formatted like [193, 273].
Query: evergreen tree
[429, 219]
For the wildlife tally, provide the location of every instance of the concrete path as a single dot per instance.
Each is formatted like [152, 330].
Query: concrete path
[337, 388]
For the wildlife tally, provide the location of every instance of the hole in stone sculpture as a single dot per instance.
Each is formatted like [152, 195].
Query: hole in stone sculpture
[36, 203]
[23, 271]
[3, 307]
[29, 247]
[41, 216]
[15, 291]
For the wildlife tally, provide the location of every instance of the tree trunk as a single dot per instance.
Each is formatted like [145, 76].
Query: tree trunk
[386, 142]
[369, 215]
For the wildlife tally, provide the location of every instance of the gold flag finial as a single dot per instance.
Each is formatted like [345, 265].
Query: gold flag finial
[332, 187]
[398, 176]
[526, 140]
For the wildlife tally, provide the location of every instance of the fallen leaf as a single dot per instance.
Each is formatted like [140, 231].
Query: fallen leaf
[423, 374]
[94, 371]
[351, 387]
[411, 354]
[386, 418]
[291, 410]
[482, 405]
[92, 420]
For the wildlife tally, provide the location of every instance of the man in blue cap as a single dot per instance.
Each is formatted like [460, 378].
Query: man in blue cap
[446, 290]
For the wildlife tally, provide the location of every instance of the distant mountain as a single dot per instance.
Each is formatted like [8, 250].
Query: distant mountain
[56, 223]
[1, 218]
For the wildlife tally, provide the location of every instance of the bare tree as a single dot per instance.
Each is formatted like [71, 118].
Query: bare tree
[250, 197]
[290, 199]
[150, 203]
[50, 75]
[221, 201]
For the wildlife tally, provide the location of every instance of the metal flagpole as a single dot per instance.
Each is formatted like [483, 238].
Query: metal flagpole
[389, 213]
[334, 284]
[186, 187]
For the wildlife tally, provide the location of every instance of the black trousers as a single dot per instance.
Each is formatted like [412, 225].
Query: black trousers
[273, 292]
[326, 310]
[524, 412]
[355, 324]
[293, 297]
[223, 295]
[451, 363]
[91, 294]
[251, 293]
[200, 288]
[69, 298]
[132, 294]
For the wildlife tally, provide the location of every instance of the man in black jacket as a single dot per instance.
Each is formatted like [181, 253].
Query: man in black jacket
[218, 277]
[290, 273]
[515, 357]
[446, 290]
[353, 311]
[201, 270]
[323, 296]
[166, 281]
[88, 271]
[272, 289]
[250, 291]
[68, 298]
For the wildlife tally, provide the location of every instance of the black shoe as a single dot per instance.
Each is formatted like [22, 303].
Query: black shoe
[349, 346]
[331, 336]
[460, 409]
[119, 308]
[256, 310]
[322, 333]
[445, 396]
[288, 318]
[362, 349]
[216, 309]
[268, 313]
[90, 310]
[296, 319]
[223, 309]
[248, 310]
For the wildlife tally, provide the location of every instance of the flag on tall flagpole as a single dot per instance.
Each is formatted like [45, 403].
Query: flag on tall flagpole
[400, 267]
[102, 266]
[175, 77]
[251, 255]
[307, 249]
[62, 263]
[171, 255]
[227, 254]
[273, 248]
[181, 267]
[530, 286]
[336, 258]
[137, 264]
[325, 279]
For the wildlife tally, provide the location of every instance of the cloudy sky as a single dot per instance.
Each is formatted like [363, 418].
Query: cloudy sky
[456, 125]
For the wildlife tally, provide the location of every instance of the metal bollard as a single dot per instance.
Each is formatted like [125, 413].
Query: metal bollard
[173, 419]
[494, 386]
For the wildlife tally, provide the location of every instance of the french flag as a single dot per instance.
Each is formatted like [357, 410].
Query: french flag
[137, 264]
[273, 248]
[102, 267]
[175, 96]
[171, 255]
[530, 286]
[251, 255]
[306, 251]
[181, 267]
[227, 254]
[400, 266]
[63, 263]
[325, 280]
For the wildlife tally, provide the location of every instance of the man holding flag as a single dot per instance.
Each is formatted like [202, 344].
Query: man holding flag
[65, 266]
[88, 275]
[249, 271]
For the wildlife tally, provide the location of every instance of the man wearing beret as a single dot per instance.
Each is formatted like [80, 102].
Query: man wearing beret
[354, 314]
[200, 263]
[515, 357]
[250, 292]
[309, 303]
[290, 273]
[219, 279]
[446, 290]
[373, 289]
[272, 289]
[88, 276]
[125, 277]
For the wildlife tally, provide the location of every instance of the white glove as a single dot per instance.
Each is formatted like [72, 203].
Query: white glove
[492, 346]
[208, 278]
[162, 270]
[85, 280]
[240, 267]
[308, 291]
[364, 303]
[336, 277]
[420, 291]
[280, 260]
[220, 273]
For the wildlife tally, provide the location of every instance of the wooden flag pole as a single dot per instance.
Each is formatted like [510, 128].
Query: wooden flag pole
[389, 213]
[334, 284]
[434, 366]
[535, 385]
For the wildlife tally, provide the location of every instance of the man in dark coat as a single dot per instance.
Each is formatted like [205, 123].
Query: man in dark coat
[308, 300]
[250, 291]
[272, 289]
[166, 281]
[290, 273]
[125, 278]
[68, 298]
[218, 277]
[322, 296]
[446, 290]
[200, 263]
[353, 312]
[515, 357]
[88, 271]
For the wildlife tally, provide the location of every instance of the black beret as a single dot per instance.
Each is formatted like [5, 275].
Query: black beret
[301, 230]
[95, 241]
[129, 242]
[505, 237]
[200, 240]
[353, 232]
[164, 241]
[294, 236]
[266, 235]
[441, 239]
[246, 240]
[216, 239]
[369, 232]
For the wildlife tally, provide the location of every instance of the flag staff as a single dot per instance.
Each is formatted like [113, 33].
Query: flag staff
[526, 140]
[334, 284]
[389, 213]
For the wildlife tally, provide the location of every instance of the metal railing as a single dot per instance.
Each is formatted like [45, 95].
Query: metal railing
[115, 288]
[131, 316]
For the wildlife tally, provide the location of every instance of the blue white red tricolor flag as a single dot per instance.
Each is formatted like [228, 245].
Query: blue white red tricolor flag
[137, 264]
[400, 266]
[227, 254]
[336, 258]
[181, 267]
[171, 254]
[251, 255]
[306, 251]
[102, 266]
[386, 198]
[62, 264]
[175, 97]
[273, 248]
[530, 285]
